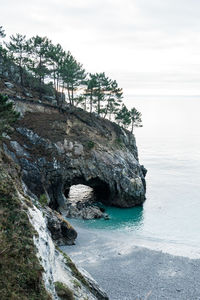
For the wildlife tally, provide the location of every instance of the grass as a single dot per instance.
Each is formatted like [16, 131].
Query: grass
[76, 284]
[90, 145]
[43, 200]
[118, 142]
[20, 270]
[63, 291]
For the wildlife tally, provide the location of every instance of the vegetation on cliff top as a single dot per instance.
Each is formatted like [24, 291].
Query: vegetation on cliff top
[49, 65]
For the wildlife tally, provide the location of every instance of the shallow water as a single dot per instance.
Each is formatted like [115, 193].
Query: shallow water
[169, 147]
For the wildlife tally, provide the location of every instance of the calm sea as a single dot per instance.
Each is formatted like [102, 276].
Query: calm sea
[169, 147]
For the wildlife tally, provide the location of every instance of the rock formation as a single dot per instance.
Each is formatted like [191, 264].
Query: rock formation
[31, 266]
[81, 204]
[61, 230]
[59, 149]
[49, 150]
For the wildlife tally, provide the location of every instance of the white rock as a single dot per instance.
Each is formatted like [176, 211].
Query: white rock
[9, 85]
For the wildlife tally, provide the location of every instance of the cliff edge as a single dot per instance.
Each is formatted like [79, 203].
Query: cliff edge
[57, 149]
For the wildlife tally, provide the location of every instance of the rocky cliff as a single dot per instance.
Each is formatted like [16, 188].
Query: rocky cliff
[31, 266]
[48, 151]
[58, 149]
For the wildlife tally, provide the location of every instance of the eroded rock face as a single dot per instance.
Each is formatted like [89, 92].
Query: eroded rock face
[34, 251]
[75, 147]
[61, 230]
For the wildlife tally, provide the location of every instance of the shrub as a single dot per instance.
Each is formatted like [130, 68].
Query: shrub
[76, 284]
[63, 291]
[90, 144]
[43, 200]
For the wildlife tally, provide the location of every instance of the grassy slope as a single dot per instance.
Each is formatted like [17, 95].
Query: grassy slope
[20, 270]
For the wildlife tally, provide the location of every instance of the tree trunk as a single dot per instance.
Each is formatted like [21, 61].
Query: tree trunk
[72, 95]
[54, 79]
[98, 105]
[21, 71]
[132, 126]
[91, 101]
[69, 94]
[106, 112]
[57, 83]
[40, 78]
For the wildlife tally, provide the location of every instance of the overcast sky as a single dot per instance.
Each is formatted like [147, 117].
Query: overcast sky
[151, 47]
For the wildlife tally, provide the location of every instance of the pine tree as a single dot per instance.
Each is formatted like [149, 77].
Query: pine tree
[114, 97]
[102, 86]
[73, 75]
[38, 48]
[7, 114]
[81, 101]
[56, 55]
[97, 87]
[89, 92]
[17, 48]
[2, 32]
[123, 117]
[48, 61]
[136, 118]
[104, 94]
[2, 35]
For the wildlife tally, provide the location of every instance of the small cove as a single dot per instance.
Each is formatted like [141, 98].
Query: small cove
[128, 255]
[169, 147]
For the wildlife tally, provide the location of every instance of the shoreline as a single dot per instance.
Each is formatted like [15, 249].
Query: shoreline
[134, 272]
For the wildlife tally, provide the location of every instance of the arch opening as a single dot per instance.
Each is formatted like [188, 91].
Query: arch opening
[81, 193]
[94, 188]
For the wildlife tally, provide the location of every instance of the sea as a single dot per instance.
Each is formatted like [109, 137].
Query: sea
[169, 148]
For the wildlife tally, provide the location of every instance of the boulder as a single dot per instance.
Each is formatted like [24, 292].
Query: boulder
[81, 204]
[61, 230]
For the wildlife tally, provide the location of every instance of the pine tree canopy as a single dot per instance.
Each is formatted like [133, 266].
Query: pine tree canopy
[51, 66]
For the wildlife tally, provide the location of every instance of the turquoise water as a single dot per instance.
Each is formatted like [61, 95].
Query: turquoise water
[169, 147]
[120, 219]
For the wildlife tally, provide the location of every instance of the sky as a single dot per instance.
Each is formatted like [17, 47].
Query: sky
[151, 47]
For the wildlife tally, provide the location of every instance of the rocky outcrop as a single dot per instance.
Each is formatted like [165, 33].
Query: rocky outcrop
[59, 268]
[61, 230]
[32, 267]
[81, 204]
[59, 149]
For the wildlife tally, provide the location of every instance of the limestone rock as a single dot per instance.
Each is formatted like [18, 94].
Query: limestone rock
[61, 231]
[75, 147]
[81, 204]
[87, 213]
[9, 85]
